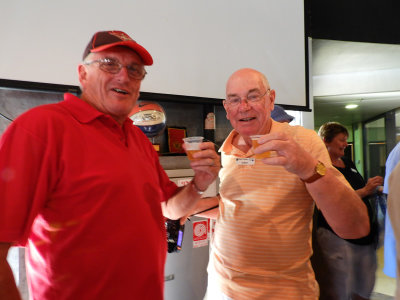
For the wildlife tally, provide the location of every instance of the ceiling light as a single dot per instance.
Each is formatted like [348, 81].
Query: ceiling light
[351, 106]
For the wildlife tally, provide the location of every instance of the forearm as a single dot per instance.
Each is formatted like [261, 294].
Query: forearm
[342, 208]
[371, 186]
[210, 214]
[363, 192]
[182, 203]
[207, 207]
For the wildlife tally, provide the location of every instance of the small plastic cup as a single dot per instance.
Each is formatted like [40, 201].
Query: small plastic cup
[254, 141]
[192, 145]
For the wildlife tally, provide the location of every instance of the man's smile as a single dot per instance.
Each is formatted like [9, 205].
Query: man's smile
[120, 91]
[247, 119]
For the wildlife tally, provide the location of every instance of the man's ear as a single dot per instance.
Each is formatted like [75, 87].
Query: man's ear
[82, 73]
[271, 97]
[226, 110]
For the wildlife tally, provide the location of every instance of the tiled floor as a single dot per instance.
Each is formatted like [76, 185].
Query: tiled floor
[378, 296]
[385, 286]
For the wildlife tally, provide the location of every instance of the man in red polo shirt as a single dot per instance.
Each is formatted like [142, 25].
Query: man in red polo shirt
[83, 190]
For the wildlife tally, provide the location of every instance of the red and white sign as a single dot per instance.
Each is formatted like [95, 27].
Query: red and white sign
[200, 233]
[183, 181]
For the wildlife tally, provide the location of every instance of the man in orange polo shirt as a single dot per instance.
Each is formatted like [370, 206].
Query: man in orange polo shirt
[262, 243]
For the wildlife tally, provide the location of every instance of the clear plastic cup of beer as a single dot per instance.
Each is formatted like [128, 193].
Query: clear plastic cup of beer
[192, 145]
[254, 141]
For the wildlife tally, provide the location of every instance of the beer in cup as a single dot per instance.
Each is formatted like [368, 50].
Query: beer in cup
[254, 141]
[192, 145]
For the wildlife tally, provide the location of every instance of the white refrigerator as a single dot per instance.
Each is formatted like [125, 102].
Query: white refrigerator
[186, 271]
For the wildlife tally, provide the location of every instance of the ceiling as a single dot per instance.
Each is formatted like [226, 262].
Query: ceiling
[355, 58]
[359, 71]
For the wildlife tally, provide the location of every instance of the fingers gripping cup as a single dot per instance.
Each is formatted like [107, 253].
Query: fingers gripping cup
[192, 145]
[254, 141]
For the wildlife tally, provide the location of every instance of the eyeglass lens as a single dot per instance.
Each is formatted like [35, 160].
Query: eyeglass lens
[114, 66]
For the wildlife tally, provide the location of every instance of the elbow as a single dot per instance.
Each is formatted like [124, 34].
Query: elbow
[166, 211]
[358, 223]
[362, 223]
[366, 229]
[172, 212]
[356, 233]
[356, 230]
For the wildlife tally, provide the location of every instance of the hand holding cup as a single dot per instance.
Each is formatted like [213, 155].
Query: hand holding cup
[254, 141]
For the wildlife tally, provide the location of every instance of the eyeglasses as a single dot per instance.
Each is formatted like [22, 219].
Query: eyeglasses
[113, 66]
[252, 97]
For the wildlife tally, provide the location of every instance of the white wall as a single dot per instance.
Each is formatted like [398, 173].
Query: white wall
[196, 44]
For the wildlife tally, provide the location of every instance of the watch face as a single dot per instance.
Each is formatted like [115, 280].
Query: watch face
[320, 169]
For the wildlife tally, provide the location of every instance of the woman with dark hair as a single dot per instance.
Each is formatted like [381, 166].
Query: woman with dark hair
[345, 269]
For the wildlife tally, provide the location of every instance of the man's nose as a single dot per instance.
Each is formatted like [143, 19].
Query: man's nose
[244, 103]
[123, 72]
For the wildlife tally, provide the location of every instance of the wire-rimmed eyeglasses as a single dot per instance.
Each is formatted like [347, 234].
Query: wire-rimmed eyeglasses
[113, 66]
[252, 97]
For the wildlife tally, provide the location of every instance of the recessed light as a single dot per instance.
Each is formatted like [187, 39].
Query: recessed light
[351, 106]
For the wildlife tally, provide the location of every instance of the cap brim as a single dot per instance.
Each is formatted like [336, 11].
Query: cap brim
[142, 52]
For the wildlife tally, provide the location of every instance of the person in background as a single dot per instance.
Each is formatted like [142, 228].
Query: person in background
[389, 267]
[83, 190]
[261, 246]
[280, 115]
[346, 267]
[394, 213]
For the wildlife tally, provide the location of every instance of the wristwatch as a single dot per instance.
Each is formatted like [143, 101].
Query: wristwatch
[319, 171]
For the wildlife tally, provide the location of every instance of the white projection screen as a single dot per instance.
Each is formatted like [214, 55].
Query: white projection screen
[196, 45]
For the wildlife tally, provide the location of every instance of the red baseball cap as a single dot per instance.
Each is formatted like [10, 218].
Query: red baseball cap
[103, 40]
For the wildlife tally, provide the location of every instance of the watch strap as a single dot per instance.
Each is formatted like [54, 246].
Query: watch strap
[313, 178]
[319, 171]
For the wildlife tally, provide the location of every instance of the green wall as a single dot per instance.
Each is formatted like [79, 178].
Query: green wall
[358, 148]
